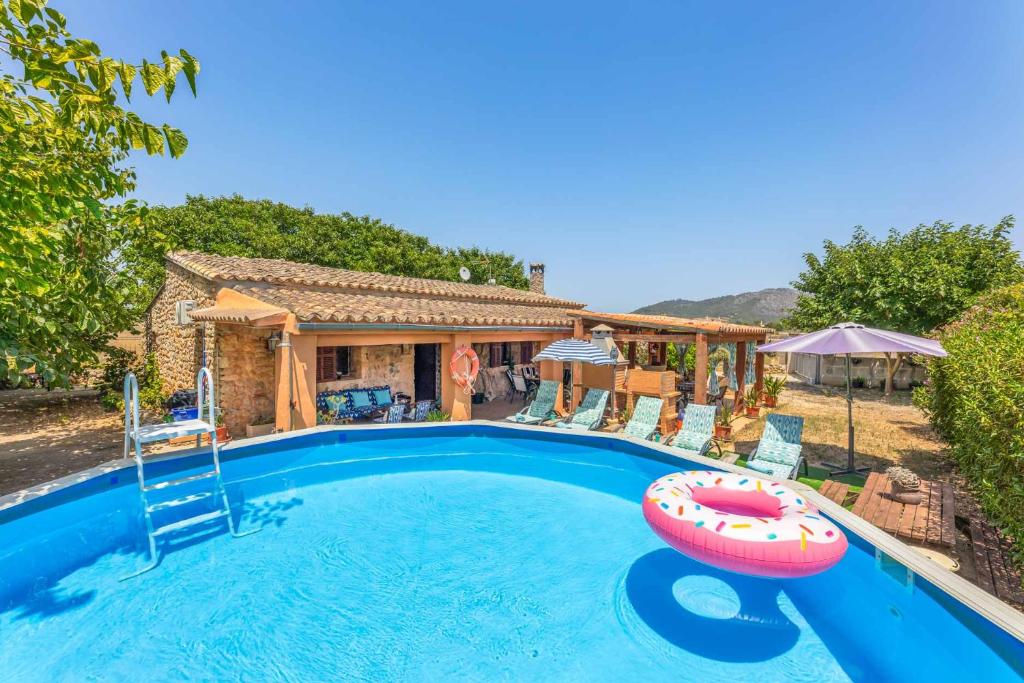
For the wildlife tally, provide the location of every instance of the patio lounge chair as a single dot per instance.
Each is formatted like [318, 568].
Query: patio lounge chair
[643, 423]
[589, 414]
[695, 438]
[394, 414]
[542, 407]
[778, 452]
[419, 412]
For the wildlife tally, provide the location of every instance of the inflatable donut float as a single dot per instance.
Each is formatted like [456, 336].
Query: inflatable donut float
[742, 524]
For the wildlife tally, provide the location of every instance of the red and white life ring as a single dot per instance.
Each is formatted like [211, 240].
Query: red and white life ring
[465, 378]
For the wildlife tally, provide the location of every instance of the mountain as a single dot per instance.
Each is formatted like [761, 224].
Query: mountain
[766, 305]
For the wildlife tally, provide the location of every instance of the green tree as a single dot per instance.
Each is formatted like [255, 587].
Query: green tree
[234, 226]
[909, 282]
[64, 138]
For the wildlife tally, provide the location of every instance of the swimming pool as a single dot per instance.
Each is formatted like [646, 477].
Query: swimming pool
[452, 552]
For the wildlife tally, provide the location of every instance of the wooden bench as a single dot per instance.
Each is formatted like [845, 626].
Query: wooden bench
[995, 573]
[836, 491]
[931, 522]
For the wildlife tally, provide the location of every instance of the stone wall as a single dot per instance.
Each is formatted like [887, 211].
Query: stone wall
[872, 370]
[179, 348]
[378, 365]
[244, 377]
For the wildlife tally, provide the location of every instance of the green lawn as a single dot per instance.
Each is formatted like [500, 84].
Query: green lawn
[817, 476]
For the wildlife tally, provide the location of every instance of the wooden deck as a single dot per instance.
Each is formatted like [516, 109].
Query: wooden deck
[992, 564]
[931, 522]
[836, 491]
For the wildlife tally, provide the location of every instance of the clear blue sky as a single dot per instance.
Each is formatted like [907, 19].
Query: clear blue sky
[644, 151]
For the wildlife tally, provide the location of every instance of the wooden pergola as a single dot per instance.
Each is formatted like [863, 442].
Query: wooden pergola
[658, 331]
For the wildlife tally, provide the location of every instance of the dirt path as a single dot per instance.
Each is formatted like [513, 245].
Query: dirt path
[888, 430]
[49, 434]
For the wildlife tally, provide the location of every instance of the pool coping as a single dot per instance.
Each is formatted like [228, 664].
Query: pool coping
[985, 604]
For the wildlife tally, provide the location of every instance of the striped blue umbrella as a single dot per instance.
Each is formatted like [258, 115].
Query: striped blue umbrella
[573, 351]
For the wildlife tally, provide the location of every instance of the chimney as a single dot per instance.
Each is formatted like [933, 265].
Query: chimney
[537, 278]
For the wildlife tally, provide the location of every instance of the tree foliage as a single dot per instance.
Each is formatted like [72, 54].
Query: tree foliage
[909, 282]
[975, 399]
[64, 138]
[234, 226]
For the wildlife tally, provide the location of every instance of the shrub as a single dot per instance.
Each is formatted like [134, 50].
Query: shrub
[438, 416]
[975, 400]
[119, 363]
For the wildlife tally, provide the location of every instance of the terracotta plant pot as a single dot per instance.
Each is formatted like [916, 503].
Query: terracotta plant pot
[753, 411]
[769, 401]
[723, 431]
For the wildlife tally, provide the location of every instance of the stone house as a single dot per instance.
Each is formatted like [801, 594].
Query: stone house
[274, 333]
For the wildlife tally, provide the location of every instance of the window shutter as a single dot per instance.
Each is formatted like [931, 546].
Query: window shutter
[526, 352]
[325, 364]
[496, 356]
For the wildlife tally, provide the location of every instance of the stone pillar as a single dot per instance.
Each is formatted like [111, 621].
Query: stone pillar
[700, 373]
[454, 400]
[552, 370]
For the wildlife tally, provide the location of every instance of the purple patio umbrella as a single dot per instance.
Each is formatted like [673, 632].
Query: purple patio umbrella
[849, 339]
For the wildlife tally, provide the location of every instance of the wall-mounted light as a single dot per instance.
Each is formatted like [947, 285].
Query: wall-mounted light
[273, 340]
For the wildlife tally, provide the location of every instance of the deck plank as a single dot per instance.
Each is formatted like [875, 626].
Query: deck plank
[860, 505]
[948, 515]
[1000, 580]
[908, 515]
[981, 565]
[933, 533]
[872, 498]
[920, 524]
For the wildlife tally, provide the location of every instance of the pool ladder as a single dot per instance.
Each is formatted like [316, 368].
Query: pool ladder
[135, 435]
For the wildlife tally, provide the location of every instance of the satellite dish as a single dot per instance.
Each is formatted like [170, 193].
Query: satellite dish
[464, 273]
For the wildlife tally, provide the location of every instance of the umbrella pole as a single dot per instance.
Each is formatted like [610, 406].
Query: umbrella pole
[850, 468]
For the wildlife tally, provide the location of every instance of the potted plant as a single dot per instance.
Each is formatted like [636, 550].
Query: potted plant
[438, 416]
[723, 430]
[223, 436]
[773, 386]
[905, 485]
[750, 403]
[261, 426]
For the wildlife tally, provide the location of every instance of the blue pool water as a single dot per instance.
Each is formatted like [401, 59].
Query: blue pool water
[432, 554]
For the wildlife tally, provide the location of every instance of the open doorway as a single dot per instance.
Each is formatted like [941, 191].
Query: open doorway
[425, 371]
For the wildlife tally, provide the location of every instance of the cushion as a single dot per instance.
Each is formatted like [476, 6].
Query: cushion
[360, 399]
[774, 469]
[382, 397]
[778, 452]
[691, 441]
[335, 403]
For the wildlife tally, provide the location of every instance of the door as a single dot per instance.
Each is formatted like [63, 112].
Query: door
[425, 371]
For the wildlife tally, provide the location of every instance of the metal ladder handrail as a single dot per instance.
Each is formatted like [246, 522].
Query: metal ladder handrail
[131, 437]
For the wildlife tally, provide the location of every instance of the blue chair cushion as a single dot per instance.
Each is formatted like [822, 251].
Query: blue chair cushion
[382, 397]
[774, 469]
[360, 399]
[778, 452]
[336, 403]
[691, 441]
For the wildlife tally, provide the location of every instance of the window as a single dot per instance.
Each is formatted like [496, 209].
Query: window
[526, 352]
[497, 355]
[333, 362]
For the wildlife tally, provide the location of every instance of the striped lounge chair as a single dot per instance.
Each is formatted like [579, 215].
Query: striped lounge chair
[589, 414]
[643, 423]
[778, 453]
[542, 408]
[695, 438]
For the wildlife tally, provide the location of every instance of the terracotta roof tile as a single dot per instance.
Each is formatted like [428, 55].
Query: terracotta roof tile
[239, 269]
[668, 322]
[325, 305]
